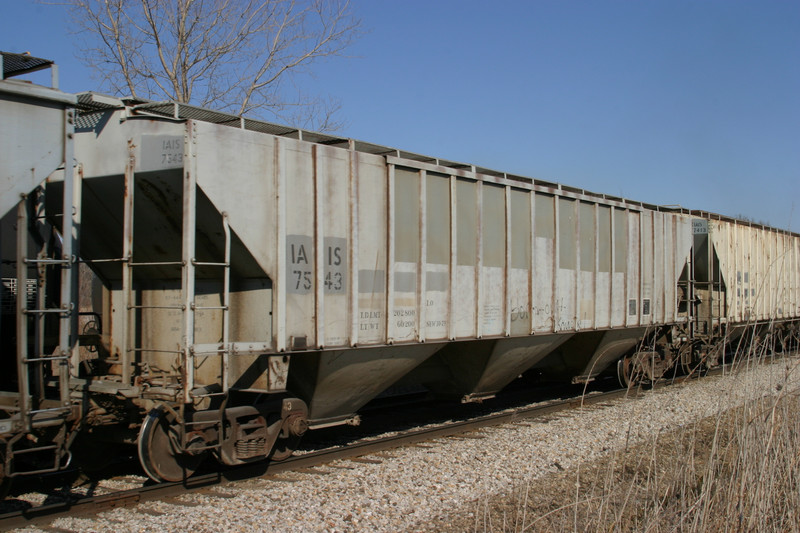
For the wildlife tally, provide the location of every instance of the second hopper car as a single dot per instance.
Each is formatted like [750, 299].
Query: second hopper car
[231, 284]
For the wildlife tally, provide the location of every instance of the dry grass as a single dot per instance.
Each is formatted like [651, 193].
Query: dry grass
[737, 471]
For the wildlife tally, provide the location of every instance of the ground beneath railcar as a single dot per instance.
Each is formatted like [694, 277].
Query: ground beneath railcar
[735, 471]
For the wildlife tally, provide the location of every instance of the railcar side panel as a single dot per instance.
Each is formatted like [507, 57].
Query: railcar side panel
[634, 260]
[521, 266]
[300, 281]
[32, 139]
[404, 252]
[564, 301]
[372, 245]
[587, 263]
[603, 303]
[544, 263]
[647, 274]
[465, 292]
[492, 261]
[435, 308]
[759, 269]
[332, 248]
[619, 267]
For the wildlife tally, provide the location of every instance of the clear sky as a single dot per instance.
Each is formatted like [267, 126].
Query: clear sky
[694, 103]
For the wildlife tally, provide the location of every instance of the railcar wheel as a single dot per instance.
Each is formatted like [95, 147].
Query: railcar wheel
[159, 448]
[630, 372]
[624, 366]
[284, 448]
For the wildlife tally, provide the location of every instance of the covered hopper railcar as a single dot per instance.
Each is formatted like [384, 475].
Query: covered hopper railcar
[239, 282]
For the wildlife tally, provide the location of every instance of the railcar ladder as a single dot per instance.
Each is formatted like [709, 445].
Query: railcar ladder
[705, 317]
[221, 350]
[36, 409]
[188, 307]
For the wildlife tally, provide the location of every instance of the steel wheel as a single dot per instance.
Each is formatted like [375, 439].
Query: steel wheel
[630, 372]
[624, 366]
[284, 448]
[159, 453]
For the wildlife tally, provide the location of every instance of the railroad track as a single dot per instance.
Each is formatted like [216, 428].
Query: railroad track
[90, 505]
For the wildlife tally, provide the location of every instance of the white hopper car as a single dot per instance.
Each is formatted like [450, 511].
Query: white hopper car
[229, 283]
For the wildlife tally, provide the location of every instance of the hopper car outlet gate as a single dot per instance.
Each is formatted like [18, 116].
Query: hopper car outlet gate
[198, 285]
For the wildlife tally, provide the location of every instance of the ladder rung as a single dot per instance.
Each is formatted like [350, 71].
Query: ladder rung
[38, 359]
[43, 311]
[199, 263]
[207, 263]
[112, 260]
[158, 263]
[47, 261]
[156, 307]
[204, 308]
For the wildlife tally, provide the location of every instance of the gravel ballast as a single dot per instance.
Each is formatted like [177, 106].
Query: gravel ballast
[418, 487]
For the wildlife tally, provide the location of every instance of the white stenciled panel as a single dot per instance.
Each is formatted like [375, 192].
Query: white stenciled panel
[660, 255]
[372, 249]
[403, 320]
[332, 183]
[667, 309]
[783, 279]
[648, 282]
[732, 281]
[465, 290]
[760, 262]
[770, 271]
[634, 269]
[775, 269]
[723, 240]
[520, 262]
[603, 275]
[742, 256]
[564, 311]
[619, 268]
[544, 266]
[436, 304]
[492, 282]
[756, 277]
[299, 283]
[587, 262]
[748, 274]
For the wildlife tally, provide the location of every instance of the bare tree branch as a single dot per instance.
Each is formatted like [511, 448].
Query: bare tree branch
[240, 56]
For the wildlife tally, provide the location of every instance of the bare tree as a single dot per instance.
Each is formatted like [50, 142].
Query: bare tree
[239, 56]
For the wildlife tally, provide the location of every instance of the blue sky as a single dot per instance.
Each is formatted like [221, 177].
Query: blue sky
[694, 103]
